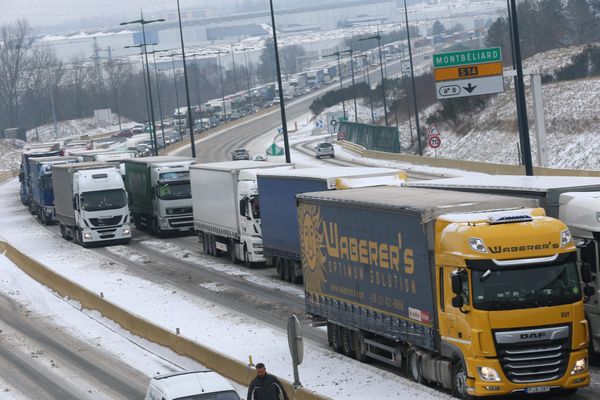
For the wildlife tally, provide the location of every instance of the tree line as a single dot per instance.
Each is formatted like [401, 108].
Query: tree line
[34, 82]
[548, 24]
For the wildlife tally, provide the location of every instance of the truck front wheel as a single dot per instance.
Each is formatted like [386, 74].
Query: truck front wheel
[459, 381]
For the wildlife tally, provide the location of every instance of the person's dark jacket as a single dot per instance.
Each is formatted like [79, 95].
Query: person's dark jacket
[266, 388]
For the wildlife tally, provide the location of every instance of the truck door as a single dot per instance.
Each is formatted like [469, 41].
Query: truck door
[455, 323]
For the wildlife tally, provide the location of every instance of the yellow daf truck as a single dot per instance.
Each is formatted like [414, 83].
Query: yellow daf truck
[477, 293]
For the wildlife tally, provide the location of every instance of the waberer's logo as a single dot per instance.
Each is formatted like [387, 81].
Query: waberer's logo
[313, 246]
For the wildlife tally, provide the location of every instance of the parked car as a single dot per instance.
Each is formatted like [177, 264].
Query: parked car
[191, 385]
[240, 154]
[324, 150]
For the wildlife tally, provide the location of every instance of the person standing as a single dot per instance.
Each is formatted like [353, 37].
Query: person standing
[265, 386]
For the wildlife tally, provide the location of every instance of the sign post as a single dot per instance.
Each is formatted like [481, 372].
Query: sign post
[296, 344]
[468, 73]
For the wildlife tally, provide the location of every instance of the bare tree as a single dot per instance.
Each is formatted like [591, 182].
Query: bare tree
[116, 73]
[79, 77]
[15, 40]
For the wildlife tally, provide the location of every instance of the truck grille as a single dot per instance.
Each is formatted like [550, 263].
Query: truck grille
[535, 355]
[179, 210]
[98, 222]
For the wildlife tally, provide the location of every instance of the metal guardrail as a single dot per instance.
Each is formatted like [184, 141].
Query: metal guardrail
[6, 175]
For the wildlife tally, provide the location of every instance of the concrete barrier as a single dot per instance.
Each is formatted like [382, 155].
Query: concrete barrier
[473, 166]
[221, 363]
[6, 175]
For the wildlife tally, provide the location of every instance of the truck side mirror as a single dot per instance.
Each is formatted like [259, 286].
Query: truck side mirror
[75, 203]
[21, 176]
[456, 283]
[457, 301]
[243, 207]
[586, 273]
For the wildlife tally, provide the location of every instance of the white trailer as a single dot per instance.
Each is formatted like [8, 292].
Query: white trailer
[226, 208]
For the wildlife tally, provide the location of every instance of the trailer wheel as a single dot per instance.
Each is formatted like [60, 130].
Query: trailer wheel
[336, 341]
[202, 236]
[211, 245]
[360, 347]
[413, 365]
[295, 278]
[231, 250]
[63, 232]
[459, 381]
[279, 266]
[346, 336]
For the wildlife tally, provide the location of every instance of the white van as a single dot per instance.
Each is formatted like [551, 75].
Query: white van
[191, 385]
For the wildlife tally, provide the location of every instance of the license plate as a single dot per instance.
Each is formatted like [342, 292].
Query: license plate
[537, 389]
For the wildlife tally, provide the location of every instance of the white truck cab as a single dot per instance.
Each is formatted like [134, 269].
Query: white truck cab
[197, 385]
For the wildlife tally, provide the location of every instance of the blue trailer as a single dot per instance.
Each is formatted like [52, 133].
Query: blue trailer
[25, 171]
[279, 222]
[42, 194]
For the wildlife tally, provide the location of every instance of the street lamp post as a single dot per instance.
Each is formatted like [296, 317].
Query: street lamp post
[144, 22]
[187, 90]
[378, 37]
[337, 54]
[196, 68]
[248, 80]
[145, 90]
[351, 51]
[367, 78]
[162, 123]
[286, 143]
[414, 91]
[222, 86]
[234, 70]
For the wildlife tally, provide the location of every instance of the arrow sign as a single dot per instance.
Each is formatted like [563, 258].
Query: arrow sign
[469, 88]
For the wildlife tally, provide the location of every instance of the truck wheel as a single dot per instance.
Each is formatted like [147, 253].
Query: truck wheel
[346, 336]
[247, 262]
[202, 236]
[336, 341]
[279, 266]
[231, 250]
[360, 348]
[156, 228]
[296, 277]
[287, 271]
[459, 381]
[413, 365]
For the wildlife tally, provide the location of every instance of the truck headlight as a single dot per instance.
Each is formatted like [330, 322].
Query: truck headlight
[477, 245]
[580, 366]
[170, 211]
[87, 235]
[565, 237]
[126, 231]
[488, 374]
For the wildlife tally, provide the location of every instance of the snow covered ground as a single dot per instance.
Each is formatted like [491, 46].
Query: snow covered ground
[88, 326]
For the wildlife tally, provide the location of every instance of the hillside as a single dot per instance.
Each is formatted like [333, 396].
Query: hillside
[571, 112]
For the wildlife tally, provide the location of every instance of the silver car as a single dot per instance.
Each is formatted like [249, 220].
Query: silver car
[324, 150]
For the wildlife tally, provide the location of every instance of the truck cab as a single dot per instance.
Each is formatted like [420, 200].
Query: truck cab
[510, 304]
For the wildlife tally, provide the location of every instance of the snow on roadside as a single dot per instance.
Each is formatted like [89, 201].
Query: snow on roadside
[87, 326]
[238, 336]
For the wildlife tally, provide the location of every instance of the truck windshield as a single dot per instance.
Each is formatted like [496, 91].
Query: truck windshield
[229, 395]
[175, 191]
[530, 287]
[103, 200]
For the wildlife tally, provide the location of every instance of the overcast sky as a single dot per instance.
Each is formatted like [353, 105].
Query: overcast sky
[53, 12]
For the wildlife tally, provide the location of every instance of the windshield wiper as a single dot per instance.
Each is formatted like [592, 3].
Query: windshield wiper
[495, 304]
